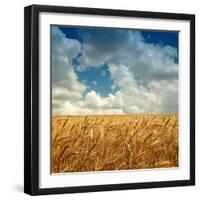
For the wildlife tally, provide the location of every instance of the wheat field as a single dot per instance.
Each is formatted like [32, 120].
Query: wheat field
[114, 142]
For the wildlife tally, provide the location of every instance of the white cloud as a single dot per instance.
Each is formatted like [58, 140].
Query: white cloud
[144, 75]
[92, 100]
[65, 84]
[136, 98]
[63, 52]
[93, 103]
[147, 61]
[168, 93]
[63, 94]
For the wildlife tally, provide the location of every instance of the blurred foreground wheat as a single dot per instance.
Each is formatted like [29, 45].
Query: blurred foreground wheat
[115, 142]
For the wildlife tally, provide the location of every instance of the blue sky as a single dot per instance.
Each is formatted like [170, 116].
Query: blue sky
[112, 65]
[97, 79]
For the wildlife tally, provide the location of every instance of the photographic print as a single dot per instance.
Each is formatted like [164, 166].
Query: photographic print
[109, 99]
[114, 99]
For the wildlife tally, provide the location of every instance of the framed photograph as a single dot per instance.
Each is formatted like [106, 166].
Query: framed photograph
[109, 99]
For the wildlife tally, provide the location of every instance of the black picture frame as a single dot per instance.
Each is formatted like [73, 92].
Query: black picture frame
[31, 99]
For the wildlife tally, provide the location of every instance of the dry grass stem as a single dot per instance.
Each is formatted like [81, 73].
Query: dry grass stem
[114, 142]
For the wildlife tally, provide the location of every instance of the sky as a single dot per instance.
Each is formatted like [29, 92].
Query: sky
[113, 71]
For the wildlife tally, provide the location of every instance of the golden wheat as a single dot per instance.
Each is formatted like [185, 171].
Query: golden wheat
[114, 142]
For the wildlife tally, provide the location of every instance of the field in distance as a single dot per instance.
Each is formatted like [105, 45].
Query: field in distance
[114, 142]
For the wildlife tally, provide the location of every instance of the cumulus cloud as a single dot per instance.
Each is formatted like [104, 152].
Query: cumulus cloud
[144, 76]
[65, 84]
[146, 61]
[69, 95]
[137, 98]
[158, 97]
